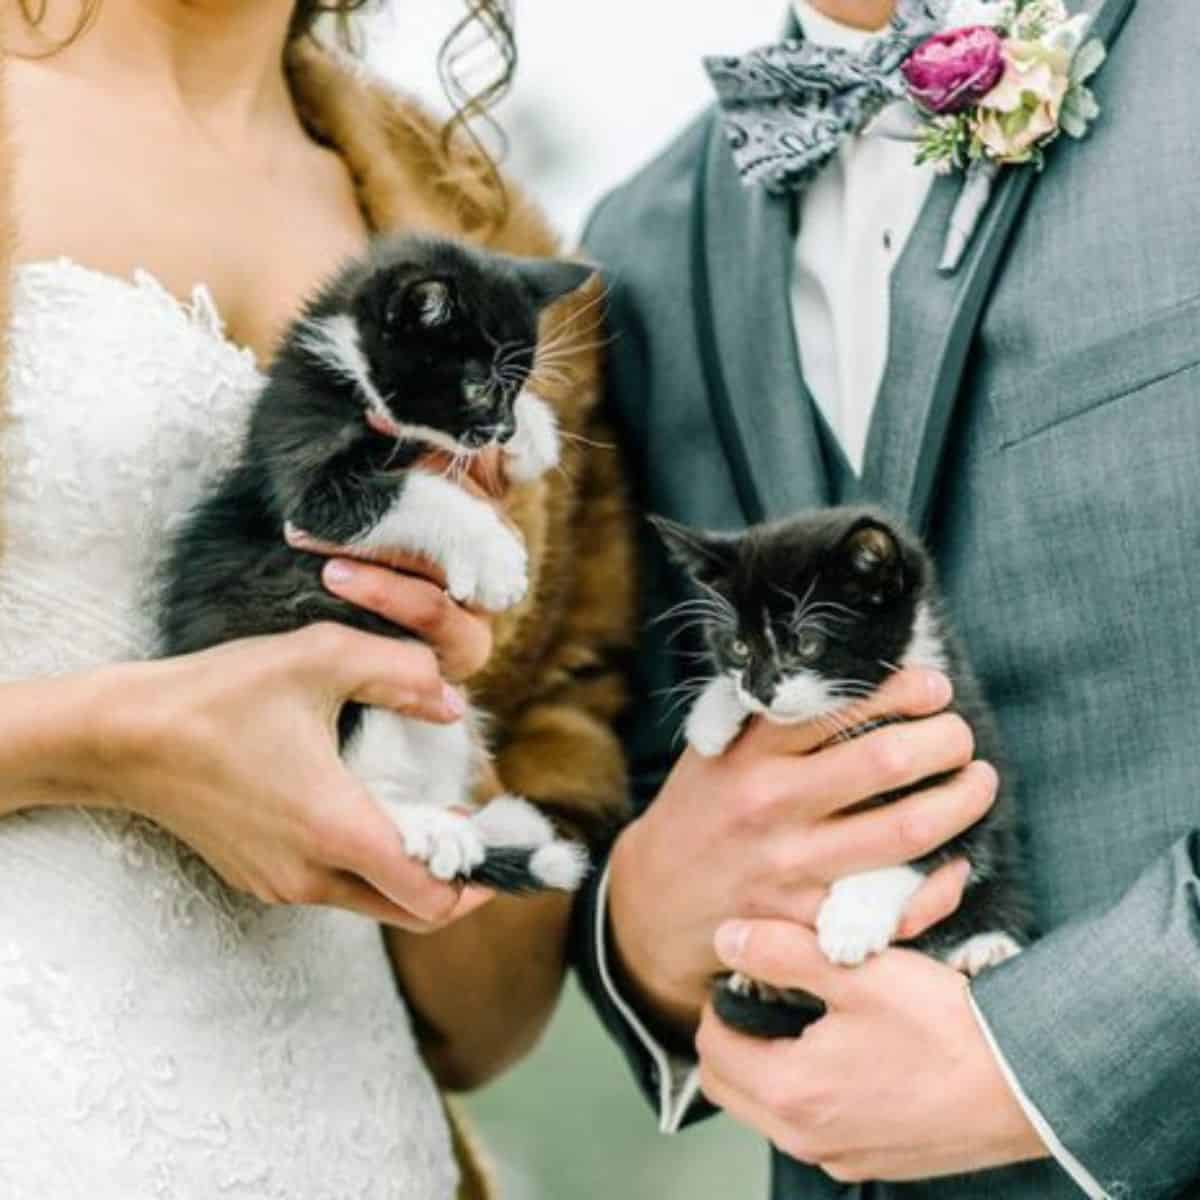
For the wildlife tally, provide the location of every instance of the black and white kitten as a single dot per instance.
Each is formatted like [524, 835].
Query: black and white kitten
[802, 618]
[422, 343]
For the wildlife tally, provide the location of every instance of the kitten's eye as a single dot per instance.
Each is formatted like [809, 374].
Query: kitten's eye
[739, 651]
[810, 647]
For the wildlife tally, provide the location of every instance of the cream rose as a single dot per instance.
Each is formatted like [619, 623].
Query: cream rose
[1022, 111]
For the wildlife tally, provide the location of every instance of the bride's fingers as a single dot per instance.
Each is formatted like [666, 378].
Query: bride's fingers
[461, 639]
[347, 891]
[398, 560]
[368, 847]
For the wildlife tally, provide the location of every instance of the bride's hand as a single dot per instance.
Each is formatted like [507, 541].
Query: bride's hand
[234, 750]
[410, 591]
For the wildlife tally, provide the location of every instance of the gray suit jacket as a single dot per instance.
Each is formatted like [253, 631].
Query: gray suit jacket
[1040, 421]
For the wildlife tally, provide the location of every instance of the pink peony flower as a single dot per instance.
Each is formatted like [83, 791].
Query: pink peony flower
[952, 71]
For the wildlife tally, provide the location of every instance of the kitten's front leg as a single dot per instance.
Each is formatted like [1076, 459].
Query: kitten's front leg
[716, 717]
[484, 558]
[352, 491]
[862, 912]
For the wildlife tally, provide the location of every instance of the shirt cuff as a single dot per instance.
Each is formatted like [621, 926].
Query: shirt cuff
[678, 1077]
[1065, 1159]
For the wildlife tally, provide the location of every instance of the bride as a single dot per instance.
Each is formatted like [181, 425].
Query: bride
[195, 999]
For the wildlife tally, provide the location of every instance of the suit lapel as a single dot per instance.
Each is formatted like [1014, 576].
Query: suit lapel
[742, 251]
[934, 318]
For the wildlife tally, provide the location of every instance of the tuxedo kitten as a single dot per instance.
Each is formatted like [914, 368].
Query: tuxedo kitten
[422, 344]
[801, 619]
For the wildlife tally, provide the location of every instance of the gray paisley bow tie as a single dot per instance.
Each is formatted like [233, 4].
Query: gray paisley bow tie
[788, 108]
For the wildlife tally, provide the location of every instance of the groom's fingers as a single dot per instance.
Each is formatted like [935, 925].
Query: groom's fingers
[903, 830]
[936, 899]
[784, 955]
[746, 1077]
[911, 694]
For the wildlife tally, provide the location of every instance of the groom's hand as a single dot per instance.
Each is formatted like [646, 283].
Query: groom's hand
[761, 832]
[894, 1083]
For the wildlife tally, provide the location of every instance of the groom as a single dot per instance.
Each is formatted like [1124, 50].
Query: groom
[1036, 413]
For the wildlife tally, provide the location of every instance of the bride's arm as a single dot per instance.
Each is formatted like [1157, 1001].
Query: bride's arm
[46, 743]
[234, 751]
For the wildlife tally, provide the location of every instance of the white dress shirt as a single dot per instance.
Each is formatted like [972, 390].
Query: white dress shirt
[854, 221]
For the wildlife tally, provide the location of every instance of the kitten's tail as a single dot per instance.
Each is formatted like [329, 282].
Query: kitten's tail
[517, 870]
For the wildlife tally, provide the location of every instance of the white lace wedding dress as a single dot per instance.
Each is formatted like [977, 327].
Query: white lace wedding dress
[162, 1038]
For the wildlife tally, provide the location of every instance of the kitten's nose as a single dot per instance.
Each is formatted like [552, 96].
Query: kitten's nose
[762, 683]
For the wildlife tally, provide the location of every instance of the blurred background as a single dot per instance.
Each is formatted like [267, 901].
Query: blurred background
[600, 87]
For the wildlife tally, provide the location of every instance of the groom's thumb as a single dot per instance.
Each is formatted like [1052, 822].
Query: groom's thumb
[781, 953]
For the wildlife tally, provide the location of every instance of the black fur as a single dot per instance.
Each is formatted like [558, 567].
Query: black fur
[865, 578]
[449, 334]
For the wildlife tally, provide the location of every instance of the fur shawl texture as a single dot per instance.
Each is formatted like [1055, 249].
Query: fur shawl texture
[553, 686]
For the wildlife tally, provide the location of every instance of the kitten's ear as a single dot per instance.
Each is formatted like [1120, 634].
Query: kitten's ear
[550, 279]
[873, 560]
[425, 304]
[707, 557]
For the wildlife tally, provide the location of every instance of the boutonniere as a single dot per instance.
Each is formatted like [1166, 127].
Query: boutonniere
[1000, 82]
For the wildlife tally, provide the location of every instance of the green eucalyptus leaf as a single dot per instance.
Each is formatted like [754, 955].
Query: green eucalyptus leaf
[1072, 124]
[1089, 106]
[1088, 61]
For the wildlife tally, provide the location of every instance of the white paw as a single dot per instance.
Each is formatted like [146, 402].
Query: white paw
[849, 930]
[511, 821]
[560, 865]
[446, 842]
[983, 950]
[493, 573]
[862, 912]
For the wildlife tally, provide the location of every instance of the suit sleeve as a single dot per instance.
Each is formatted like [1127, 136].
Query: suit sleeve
[668, 1080]
[1098, 1025]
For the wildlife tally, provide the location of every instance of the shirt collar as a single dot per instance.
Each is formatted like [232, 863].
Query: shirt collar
[825, 31]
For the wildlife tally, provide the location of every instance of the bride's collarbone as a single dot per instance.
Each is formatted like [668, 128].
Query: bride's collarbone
[259, 244]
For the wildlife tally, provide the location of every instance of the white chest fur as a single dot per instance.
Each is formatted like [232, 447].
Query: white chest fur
[423, 773]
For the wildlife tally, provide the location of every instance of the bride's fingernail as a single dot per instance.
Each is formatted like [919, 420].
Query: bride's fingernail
[454, 700]
[730, 941]
[338, 571]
